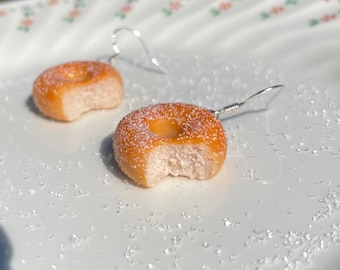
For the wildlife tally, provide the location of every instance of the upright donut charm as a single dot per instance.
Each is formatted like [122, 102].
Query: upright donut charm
[66, 91]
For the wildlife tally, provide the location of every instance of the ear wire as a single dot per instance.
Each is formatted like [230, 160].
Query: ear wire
[235, 106]
[138, 36]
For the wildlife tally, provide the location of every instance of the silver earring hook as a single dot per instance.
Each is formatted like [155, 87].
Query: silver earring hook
[235, 106]
[138, 35]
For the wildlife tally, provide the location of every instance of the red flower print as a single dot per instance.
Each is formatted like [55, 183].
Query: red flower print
[53, 2]
[277, 9]
[2, 13]
[74, 13]
[328, 17]
[225, 6]
[175, 5]
[127, 9]
[27, 22]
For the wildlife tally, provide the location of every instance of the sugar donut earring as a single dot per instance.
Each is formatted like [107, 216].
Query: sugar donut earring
[67, 91]
[173, 139]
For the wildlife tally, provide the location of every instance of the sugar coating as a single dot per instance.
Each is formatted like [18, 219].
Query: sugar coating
[245, 225]
[137, 148]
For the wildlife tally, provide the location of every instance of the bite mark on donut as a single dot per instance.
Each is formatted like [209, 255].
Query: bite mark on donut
[169, 139]
[192, 161]
[66, 91]
[91, 97]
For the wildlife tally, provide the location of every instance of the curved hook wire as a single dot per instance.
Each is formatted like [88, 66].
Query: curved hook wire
[235, 106]
[138, 35]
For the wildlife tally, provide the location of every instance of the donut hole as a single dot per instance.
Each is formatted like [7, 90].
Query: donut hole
[76, 74]
[165, 128]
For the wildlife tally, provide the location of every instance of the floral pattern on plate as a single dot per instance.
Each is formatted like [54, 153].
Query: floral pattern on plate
[28, 13]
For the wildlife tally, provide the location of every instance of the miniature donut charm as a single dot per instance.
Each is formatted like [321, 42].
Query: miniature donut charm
[66, 91]
[169, 139]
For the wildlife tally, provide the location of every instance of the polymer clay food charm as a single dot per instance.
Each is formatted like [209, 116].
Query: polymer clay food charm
[66, 91]
[172, 139]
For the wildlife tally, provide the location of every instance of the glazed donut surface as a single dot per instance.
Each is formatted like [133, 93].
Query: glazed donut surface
[169, 139]
[66, 91]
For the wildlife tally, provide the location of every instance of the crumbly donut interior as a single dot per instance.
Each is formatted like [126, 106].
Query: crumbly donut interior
[192, 161]
[102, 95]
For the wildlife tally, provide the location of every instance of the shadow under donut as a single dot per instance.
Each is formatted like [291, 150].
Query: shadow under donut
[5, 251]
[107, 155]
[31, 106]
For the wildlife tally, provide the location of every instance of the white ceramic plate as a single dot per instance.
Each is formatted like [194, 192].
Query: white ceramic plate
[275, 204]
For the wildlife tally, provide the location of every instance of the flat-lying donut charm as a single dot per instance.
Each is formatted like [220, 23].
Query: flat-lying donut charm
[169, 139]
